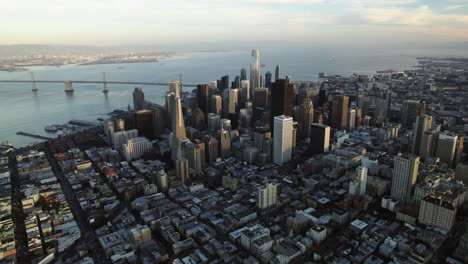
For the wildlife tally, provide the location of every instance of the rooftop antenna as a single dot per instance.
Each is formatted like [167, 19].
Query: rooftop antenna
[33, 79]
[106, 90]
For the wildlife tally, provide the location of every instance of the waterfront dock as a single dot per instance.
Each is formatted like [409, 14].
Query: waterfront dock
[21, 133]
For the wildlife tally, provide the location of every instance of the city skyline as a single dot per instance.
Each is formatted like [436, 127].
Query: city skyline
[174, 23]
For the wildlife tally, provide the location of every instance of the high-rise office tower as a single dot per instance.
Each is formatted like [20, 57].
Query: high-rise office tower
[282, 139]
[175, 87]
[182, 169]
[405, 173]
[351, 119]
[268, 80]
[289, 78]
[225, 143]
[262, 82]
[214, 121]
[323, 98]
[230, 102]
[198, 119]
[458, 150]
[135, 147]
[410, 110]
[423, 123]
[159, 121]
[245, 90]
[217, 104]
[306, 117]
[203, 97]
[201, 146]
[192, 133]
[144, 123]
[428, 144]
[169, 108]
[260, 99]
[236, 83]
[109, 129]
[437, 211]
[138, 99]
[255, 71]
[282, 99]
[119, 125]
[358, 183]
[224, 82]
[319, 139]
[446, 148]
[178, 125]
[211, 146]
[339, 118]
[243, 74]
[277, 72]
[193, 154]
[266, 196]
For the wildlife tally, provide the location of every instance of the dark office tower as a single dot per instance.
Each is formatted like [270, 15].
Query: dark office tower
[261, 98]
[159, 122]
[138, 99]
[192, 133]
[423, 123]
[262, 82]
[410, 110]
[318, 116]
[339, 118]
[268, 80]
[144, 123]
[322, 97]
[219, 84]
[282, 99]
[236, 82]
[198, 119]
[225, 82]
[306, 117]
[319, 139]
[211, 147]
[277, 72]
[203, 96]
[243, 74]
[428, 144]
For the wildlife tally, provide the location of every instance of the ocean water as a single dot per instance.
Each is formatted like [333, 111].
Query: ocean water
[24, 110]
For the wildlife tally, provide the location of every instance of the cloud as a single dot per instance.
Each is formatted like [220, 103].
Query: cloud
[453, 7]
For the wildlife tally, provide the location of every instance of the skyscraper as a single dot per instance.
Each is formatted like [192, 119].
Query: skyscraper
[319, 139]
[255, 71]
[211, 146]
[225, 82]
[135, 147]
[339, 118]
[244, 91]
[423, 123]
[351, 119]
[282, 139]
[277, 72]
[198, 119]
[306, 117]
[175, 87]
[159, 121]
[282, 99]
[178, 125]
[428, 144]
[266, 196]
[405, 173]
[243, 74]
[446, 148]
[268, 80]
[144, 123]
[225, 143]
[410, 110]
[203, 97]
[216, 104]
[437, 211]
[358, 183]
[182, 169]
[138, 99]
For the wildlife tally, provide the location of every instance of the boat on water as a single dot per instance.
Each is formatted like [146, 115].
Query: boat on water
[50, 128]
[7, 143]
[100, 119]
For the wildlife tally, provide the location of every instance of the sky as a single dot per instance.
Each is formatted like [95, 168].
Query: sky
[171, 22]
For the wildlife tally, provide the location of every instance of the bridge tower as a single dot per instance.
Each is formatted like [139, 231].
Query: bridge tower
[33, 79]
[106, 90]
[68, 87]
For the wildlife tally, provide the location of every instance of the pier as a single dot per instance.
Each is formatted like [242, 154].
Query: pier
[21, 133]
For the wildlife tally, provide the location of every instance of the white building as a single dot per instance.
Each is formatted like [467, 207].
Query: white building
[283, 139]
[135, 147]
[405, 173]
[436, 211]
[317, 234]
[120, 138]
[267, 196]
[351, 119]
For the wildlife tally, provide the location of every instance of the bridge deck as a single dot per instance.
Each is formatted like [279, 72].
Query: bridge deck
[108, 82]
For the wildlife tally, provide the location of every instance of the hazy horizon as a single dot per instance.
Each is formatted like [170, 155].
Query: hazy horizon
[183, 23]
